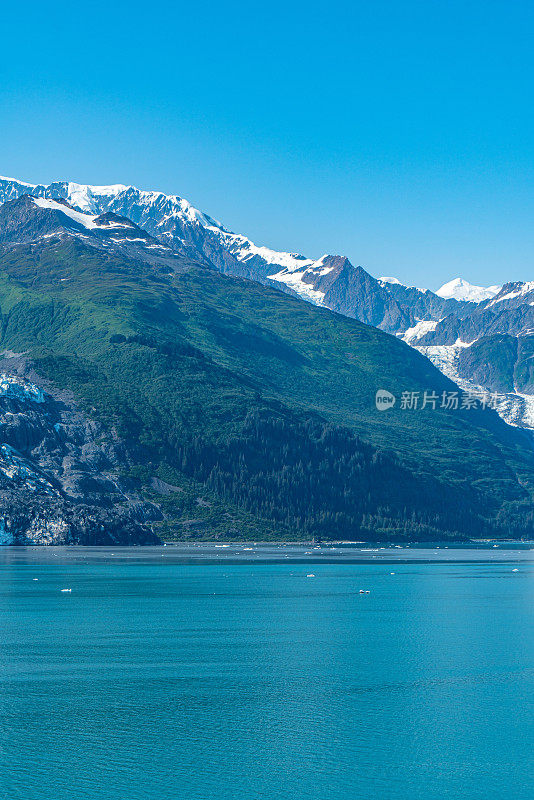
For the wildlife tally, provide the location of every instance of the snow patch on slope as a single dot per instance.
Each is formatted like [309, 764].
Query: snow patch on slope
[421, 327]
[243, 249]
[86, 220]
[524, 288]
[294, 280]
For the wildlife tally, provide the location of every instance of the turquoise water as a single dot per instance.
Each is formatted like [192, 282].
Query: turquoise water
[204, 673]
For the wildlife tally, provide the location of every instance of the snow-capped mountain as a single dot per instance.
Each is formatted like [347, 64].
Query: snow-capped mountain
[331, 281]
[31, 219]
[172, 220]
[490, 346]
[458, 312]
[460, 289]
[513, 294]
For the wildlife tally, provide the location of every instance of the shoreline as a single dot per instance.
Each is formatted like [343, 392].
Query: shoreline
[443, 544]
[343, 543]
[299, 548]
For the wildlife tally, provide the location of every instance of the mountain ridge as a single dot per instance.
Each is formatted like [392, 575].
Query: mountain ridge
[257, 408]
[92, 198]
[423, 318]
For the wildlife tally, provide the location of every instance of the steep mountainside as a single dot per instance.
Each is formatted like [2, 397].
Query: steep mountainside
[511, 312]
[490, 347]
[240, 410]
[331, 281]
[439, 324]
[502, 363]
[59, 471]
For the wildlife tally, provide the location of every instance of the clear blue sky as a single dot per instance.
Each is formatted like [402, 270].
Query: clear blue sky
[397, 133]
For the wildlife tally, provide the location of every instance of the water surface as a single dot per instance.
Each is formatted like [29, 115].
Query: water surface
[205, 672]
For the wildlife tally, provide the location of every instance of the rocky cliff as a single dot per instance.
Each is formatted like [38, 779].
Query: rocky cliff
[60, 476]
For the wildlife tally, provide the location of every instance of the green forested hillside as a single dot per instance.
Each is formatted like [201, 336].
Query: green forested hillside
[255, 410]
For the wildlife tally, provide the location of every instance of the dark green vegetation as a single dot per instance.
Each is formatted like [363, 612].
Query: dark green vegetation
[250, 414]
[502, 363]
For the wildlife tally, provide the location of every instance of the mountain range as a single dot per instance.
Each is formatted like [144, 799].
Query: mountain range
[183, 395]
[440, 324]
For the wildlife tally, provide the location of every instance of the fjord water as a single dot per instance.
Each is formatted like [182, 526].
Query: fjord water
[199, 673]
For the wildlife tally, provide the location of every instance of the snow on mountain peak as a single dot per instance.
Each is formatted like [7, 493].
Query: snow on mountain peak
[92, 200]
[243, 249]
[81, 195]
[460, 289]
[170, 215]
[15, 180]
[513, 290]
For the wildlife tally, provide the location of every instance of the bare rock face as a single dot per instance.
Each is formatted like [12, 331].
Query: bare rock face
[59, 476]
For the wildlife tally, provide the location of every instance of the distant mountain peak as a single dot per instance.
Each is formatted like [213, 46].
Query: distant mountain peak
[460, 289]
[82, 195]
[396, 281]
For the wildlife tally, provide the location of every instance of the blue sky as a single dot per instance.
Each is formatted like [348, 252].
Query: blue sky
[397, 133]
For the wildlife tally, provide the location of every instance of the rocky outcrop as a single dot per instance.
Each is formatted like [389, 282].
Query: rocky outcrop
[60, 476]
